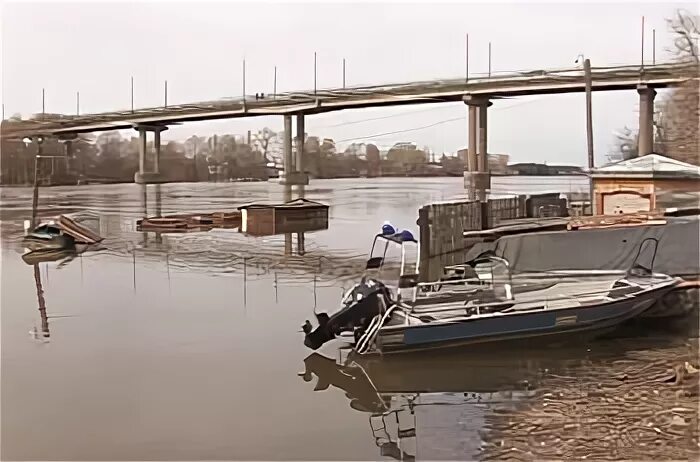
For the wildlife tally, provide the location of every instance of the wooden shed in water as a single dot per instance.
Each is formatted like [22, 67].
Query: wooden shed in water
[645, 183]
[300, 215]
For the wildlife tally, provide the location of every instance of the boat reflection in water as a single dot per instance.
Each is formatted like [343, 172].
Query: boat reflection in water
[463, 405]
[414, 396]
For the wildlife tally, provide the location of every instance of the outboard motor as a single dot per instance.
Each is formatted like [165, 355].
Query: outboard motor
[359, 306]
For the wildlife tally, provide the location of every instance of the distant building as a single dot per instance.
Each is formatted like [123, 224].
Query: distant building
[497, 163]
[645, 183]
[534, 169]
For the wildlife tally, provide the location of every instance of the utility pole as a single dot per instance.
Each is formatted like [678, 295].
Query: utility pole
[343, 73]
[589, 120]
[274, 84]
[166, 94]
[35, 193]
[132, 93]
[43, 101]
[243, 81]
[77, 103]
[653, 47]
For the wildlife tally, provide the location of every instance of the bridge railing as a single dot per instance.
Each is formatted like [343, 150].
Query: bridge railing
[289, 100]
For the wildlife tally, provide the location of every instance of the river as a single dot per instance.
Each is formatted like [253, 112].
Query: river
[188, 347]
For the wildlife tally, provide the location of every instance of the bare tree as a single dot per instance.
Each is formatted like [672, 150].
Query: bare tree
[676, 117]
[679, 115]
[261, 141]
[686, 30]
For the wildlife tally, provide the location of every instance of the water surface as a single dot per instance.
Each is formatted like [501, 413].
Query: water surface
[187, 346]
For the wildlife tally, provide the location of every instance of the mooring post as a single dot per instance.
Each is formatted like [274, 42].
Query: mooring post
[424, 240]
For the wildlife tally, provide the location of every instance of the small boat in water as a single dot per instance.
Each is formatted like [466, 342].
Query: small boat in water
[48, 236]
[398, 313]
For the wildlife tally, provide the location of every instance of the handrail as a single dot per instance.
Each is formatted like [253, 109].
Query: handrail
[453, 306]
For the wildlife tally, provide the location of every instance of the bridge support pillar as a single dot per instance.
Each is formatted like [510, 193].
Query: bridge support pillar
[156, 153]
[646, 120]
[143, 147]
[299, 166]
[477, 178]
[293, 174]
[471, 151]
[143, 176]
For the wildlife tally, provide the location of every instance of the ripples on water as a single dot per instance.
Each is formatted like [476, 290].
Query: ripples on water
[183, 373]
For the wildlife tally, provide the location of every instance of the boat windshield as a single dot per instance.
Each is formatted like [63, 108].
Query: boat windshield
[393, 256]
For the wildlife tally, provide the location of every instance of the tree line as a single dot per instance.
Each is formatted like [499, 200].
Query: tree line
[113, 157]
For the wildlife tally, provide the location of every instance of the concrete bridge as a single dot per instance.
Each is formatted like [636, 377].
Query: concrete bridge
[477, 93]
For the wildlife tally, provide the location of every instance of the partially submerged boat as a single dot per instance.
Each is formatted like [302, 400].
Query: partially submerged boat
[391, 311]
[61, 233]
[48, 236]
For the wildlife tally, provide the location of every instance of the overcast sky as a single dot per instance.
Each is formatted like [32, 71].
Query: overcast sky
[198, 47]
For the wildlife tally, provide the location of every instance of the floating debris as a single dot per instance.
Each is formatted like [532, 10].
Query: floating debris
[300, 215]
[190, 222]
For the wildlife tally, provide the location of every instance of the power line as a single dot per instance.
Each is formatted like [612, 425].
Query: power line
[379, 135]
[355, 122]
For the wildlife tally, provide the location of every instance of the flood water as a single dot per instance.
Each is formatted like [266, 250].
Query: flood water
[188, 347]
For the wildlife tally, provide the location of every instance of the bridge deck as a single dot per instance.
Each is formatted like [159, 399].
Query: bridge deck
[309, 102]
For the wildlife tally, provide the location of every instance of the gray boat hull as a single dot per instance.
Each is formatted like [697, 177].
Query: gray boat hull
[544, 325]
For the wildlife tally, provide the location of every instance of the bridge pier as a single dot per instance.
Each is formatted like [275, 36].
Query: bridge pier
[646, 120]
[143, 176]
[477, 179]
[293, 173]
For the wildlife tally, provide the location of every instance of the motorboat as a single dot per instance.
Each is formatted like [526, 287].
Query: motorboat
[390, 310]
